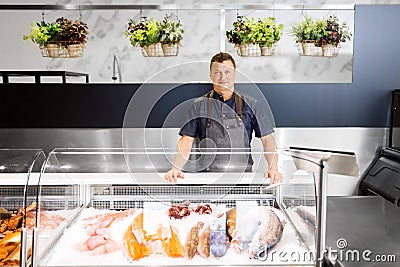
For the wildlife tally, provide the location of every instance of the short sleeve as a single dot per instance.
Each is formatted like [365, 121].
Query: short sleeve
[190, 126]
[262, 122]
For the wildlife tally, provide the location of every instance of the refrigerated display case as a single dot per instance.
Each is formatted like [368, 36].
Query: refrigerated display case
[118, 210]
[19, 173]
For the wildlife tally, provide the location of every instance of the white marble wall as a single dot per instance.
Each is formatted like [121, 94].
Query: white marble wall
[202, 39]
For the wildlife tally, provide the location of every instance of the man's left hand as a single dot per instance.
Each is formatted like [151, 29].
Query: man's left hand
[275, 175]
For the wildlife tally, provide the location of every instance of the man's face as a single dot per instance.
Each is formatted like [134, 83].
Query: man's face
[223, 75]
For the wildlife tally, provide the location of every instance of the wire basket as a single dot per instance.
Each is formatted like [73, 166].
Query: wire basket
[330, 50]
[268, 50]
[248, 50]
[154, 50]
[62, 49]
[308, 48]
[170, 50]
[255, 50]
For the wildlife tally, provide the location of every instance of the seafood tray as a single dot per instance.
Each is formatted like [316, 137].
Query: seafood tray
[132, 225]
[116, 244]
[120, 215]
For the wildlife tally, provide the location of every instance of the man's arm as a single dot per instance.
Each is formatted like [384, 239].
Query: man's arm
[183, 152]
[269, 145]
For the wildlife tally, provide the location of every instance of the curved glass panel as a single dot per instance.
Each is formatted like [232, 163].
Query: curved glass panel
[19, 173]
[60, 198]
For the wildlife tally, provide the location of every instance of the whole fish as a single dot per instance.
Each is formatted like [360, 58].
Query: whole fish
[307, 216]
[192, 240]
[269, 232]
[204, 241]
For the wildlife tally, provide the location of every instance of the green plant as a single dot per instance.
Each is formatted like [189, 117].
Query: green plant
[308, 29]
[334, 33]
[43, 32]
[267, 31]
[72, 31]
[250, 36]
[143, 33]
[63, 29]
[249, 31]
[241, 29]
[171, 32]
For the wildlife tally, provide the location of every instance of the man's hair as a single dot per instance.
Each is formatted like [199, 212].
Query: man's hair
[221, 57]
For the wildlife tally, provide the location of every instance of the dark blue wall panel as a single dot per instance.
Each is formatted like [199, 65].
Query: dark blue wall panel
[365, 102]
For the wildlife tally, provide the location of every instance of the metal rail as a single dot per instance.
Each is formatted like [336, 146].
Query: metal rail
[175, 7]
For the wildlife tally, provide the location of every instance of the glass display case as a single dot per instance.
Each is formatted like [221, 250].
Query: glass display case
[19, 173]
[113, 207]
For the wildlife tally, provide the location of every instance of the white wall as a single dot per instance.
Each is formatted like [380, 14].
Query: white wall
[201, 41]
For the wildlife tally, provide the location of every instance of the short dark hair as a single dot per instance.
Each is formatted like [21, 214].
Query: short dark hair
[221, 57]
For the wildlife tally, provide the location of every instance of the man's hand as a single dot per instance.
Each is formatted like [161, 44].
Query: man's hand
[172, 175]
[275, 175]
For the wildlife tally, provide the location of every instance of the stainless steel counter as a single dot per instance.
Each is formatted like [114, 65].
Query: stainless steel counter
[363, 231]
[363, 141]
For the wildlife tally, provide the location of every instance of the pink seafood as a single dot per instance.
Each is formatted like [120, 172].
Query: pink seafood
[100, 245]
[105, 220]
[48, 220]
[99, 240]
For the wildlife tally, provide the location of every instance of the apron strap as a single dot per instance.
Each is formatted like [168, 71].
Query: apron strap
[238, 106]
[209, 108]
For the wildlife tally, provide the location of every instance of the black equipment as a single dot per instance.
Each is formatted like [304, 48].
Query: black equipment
[382, 177]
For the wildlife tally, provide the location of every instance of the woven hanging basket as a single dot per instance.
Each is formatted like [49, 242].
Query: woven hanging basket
[154, 50]
[170, 49]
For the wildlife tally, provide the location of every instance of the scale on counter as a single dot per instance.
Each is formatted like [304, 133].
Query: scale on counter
[382, 177]
[323, 161]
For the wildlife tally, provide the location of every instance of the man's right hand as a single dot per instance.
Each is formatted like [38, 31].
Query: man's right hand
[172, 175]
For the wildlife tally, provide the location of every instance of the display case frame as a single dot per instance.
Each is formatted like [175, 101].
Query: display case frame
[109, 182]
[19, 173]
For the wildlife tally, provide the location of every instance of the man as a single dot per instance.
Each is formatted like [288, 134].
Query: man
[211, 122]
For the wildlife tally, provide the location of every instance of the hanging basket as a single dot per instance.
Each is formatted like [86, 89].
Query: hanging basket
[268, 50]
[75, 50]
[248, 50]
[62, 49]
[330, 50]
[307, 47]
[255, 50]
[154, 50]
[170, 49]
[53, 50]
